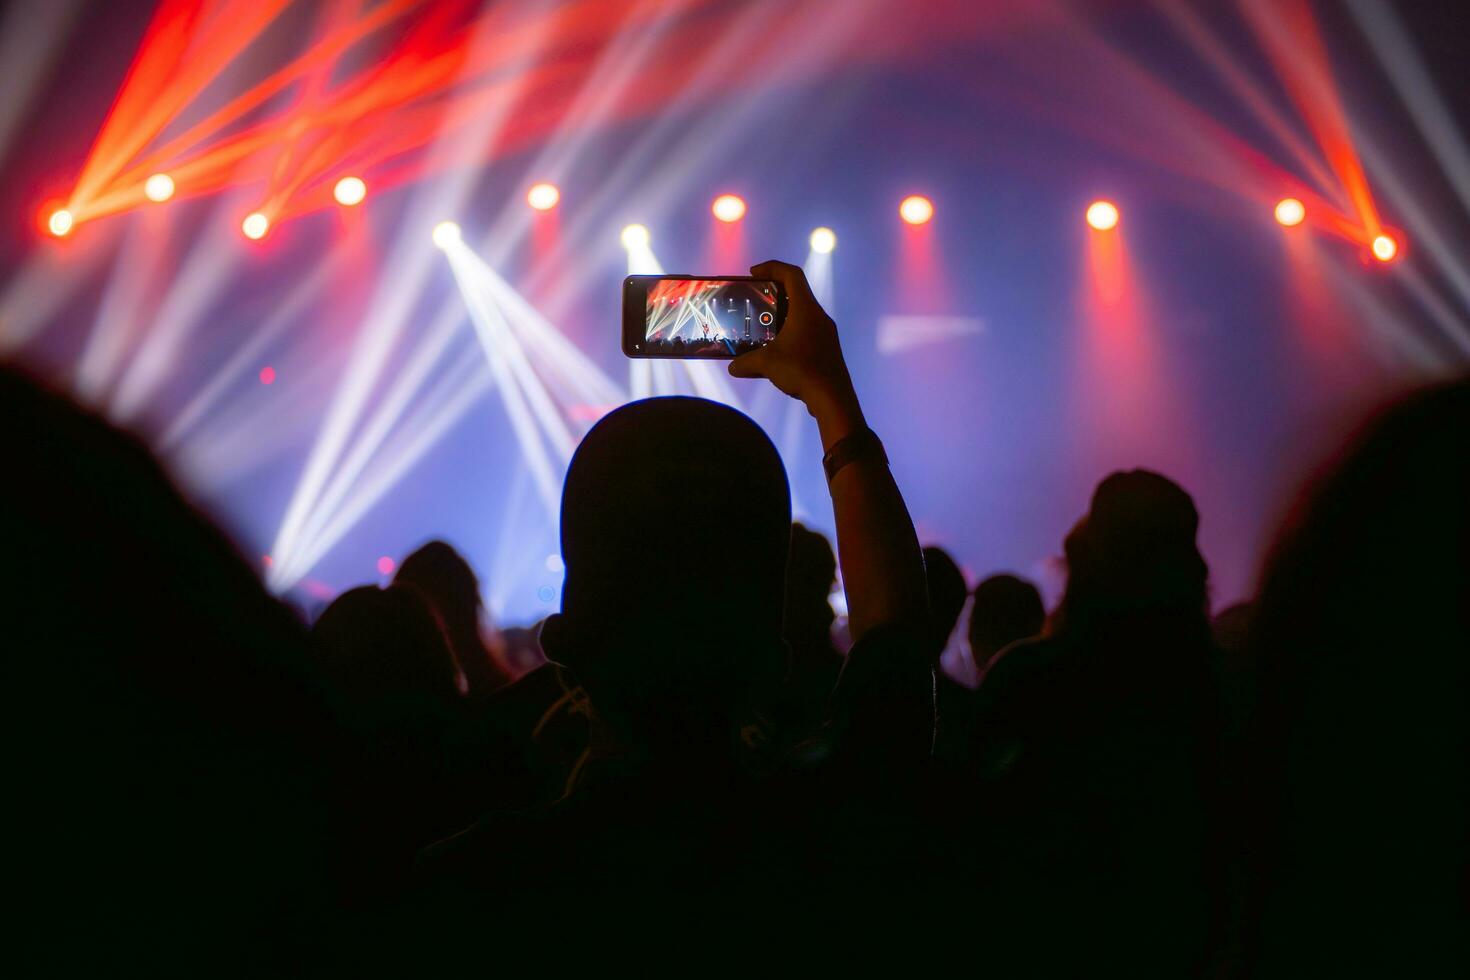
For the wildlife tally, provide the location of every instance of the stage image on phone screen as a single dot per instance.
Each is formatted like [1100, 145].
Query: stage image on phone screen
[709, 317]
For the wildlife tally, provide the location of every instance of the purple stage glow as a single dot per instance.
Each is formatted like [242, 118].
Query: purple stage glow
[356, 277]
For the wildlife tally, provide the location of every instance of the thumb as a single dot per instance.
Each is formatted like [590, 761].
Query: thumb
[751, 364]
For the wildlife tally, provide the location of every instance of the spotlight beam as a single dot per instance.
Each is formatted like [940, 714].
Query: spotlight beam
[1391, 45]
[420, 438]
[182, 52]
[233, 445]
[433, 60]
[618, 68]
[711, 382]
[818, 269]
[1453, 327]
[640, 378]
[320, 56]
[1144, 113]
[1290, 37]
[483, 316]
[30, 37]
[42, 287]
[407, 383]
[693, 145]
[561, 357]
[308, 548]
[369, 353]
[397, 294]
[1252, 95]
[1425, 234]
[507, 565]
[1392, 334]
[550, 418]
[193, 288]
[249, 353]
[118, 313]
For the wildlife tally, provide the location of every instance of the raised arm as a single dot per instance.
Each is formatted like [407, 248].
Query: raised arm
[882, 566]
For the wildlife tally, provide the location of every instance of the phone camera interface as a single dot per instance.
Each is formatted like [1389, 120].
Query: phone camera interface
[709, 317]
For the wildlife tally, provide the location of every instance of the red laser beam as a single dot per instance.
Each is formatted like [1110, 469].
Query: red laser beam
[1289, 34]
[194, 41]
[444, 70]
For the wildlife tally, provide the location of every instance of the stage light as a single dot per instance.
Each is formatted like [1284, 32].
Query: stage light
[1102, 215]
[916, 209]
[350, 191]
[823, 241]
[386, 565]
[543, 197]
[728, 208]
[635, 236]
[60, 223]
[446, 234]
[1385, 248]
[255, 226]
[267, 375]
[158, 188]
[1290, 212]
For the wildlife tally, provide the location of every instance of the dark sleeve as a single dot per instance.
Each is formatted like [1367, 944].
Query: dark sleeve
[882, 713]
[954, 710]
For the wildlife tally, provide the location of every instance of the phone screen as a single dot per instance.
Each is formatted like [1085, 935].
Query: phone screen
[701, 318]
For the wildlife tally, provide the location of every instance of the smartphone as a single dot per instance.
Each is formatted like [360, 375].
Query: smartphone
[700, 316]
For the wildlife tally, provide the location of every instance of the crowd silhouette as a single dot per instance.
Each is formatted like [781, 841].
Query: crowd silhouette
[207, 785]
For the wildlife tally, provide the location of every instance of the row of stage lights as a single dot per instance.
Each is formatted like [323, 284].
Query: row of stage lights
[729, 208]
[447, 234]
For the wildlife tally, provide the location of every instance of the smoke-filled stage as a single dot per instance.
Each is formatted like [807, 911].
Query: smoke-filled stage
[505, 479]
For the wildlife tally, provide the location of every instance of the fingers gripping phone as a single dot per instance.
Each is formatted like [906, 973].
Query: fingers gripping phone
[700, 316]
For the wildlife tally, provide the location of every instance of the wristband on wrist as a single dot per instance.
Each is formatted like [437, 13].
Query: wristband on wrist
[850, 449]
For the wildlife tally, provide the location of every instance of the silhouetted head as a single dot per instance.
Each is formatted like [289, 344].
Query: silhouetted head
[811, 571]
[447, 581]
[1135, 551]
[146, 667]
[947, 594]
[1361, 634]
[675, 526]
[1380, 541]
[1006, 609]
[385, 652]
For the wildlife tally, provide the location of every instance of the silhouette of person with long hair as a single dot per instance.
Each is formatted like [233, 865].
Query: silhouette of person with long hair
[1096, 748]
[1006, 610]
[447, 581]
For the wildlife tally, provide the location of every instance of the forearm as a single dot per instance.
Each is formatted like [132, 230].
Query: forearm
[882, 566]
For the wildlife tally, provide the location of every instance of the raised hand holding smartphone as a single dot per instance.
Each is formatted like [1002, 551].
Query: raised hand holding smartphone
[805, 360]
[882, 568]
